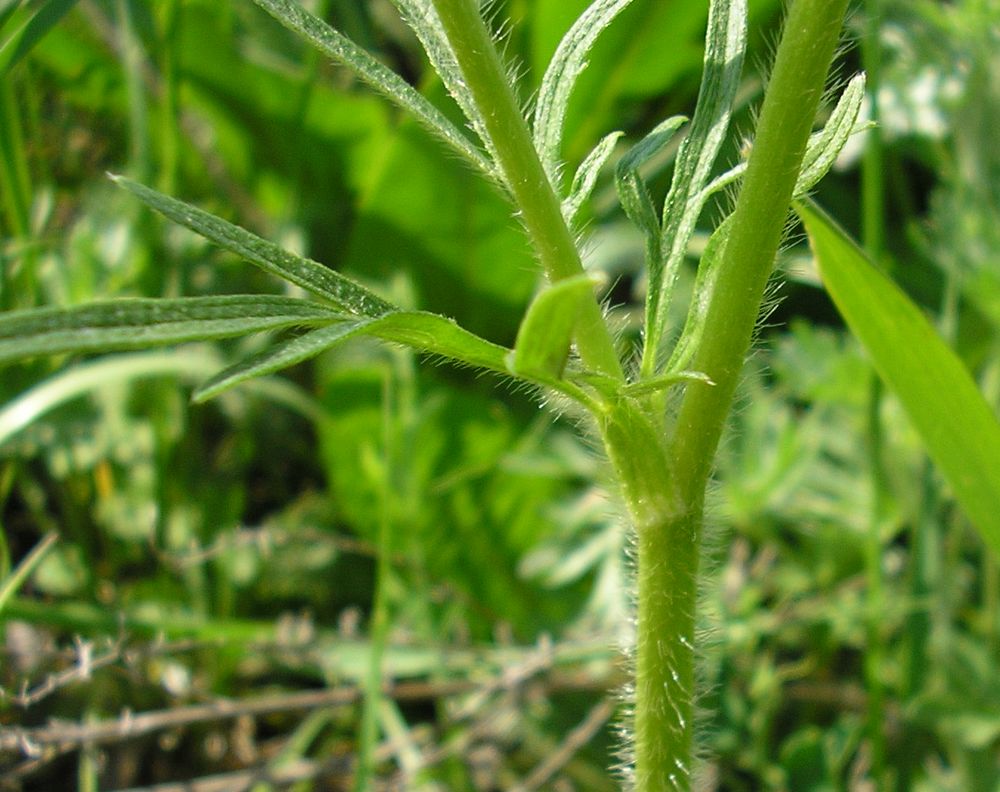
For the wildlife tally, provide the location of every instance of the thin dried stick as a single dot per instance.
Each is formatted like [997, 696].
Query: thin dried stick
[572, 743]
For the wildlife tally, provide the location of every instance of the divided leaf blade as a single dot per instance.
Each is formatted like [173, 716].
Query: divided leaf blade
[437, 335]
[701, 298]
[822, 150]
[546, 333]
[586, 176]
[310, 275]
[568, 62]
[279, 356]
[341, 49]
[825, 146]
[141, 323]
[426, 333]
[422, 18]
[632, 192]
[724, 50]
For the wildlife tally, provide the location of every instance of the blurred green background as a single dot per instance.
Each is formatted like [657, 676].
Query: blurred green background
[229, 551]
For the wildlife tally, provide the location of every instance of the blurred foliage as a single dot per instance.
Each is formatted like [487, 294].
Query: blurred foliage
[229, 550]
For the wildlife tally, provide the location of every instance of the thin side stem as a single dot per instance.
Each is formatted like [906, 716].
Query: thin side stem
[801, 65]
[538, 206]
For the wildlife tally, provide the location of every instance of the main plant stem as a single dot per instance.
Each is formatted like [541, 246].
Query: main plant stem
[538, 206]
[669, 508]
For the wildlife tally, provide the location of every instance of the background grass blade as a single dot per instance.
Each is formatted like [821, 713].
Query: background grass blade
[10, 584]
[310, 275]
[959, 429]
[141, 323]
[87, 377]
[19, 43]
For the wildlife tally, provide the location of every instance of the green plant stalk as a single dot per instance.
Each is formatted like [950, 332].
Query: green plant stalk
[16, 192]
[139, 146]
[668, 508]
[873, 233]
[538, 206]
[170, 134]
[380, 622]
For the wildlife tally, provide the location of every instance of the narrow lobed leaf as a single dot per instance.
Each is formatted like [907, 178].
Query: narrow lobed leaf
[632, 192]
[340, 48]
[958, 427]
[704, 284]
[666, 381]
[422, 18]
[279, 356]
[825, 146]
[423, 332]
[546, 333]
[312, 276]
[567, 64]
[724, 50]
[586, 176]
[141, 323]
[438, 335]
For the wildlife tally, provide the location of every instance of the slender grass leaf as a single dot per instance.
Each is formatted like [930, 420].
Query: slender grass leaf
[41, 21]
[280, 356]
[568, 62]
[546, 334]
[632, 192]
[724, 50]
[340, 48]
[10, 584]
[957, 426]
[139, 323]
[84, 378]
[586, 176]
[310, 275]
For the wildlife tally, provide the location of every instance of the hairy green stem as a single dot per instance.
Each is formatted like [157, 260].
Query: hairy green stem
[538, 206]
[666, 577]
[796, 86]
[668, 506]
